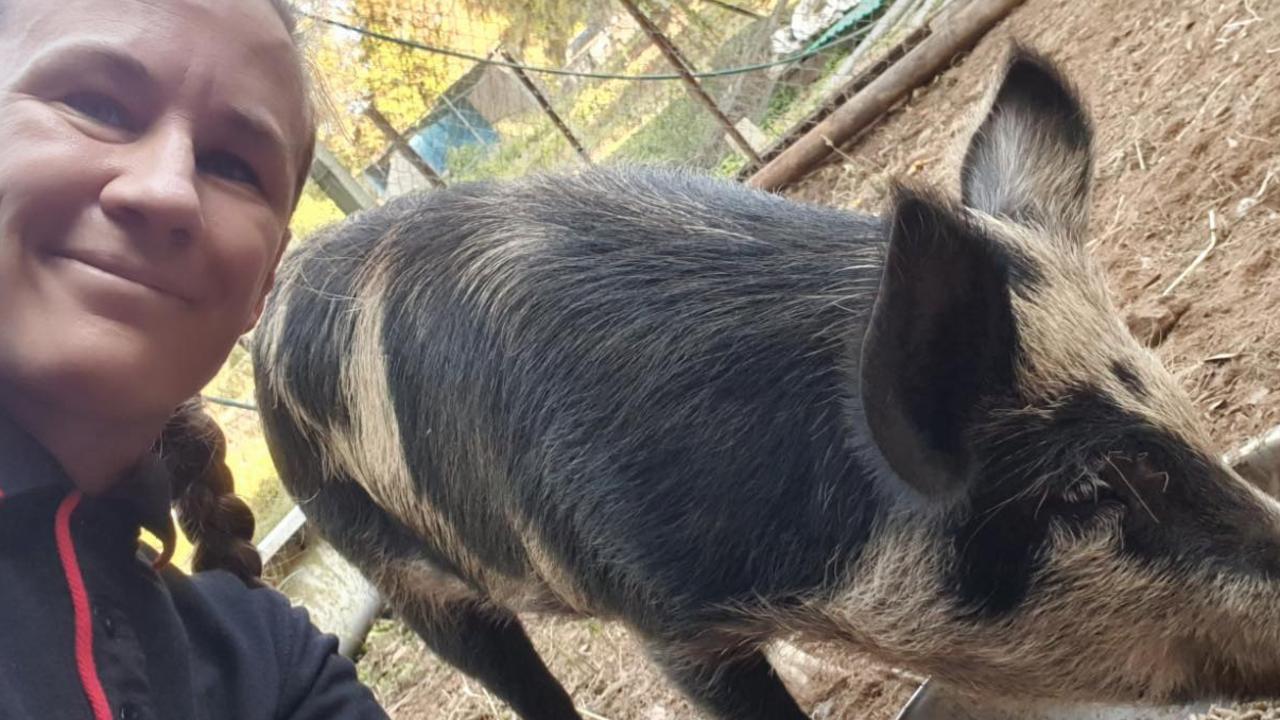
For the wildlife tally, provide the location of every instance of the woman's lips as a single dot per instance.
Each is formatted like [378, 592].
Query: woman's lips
[129, 271]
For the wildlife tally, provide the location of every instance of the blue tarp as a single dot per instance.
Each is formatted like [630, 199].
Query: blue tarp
[462, 125]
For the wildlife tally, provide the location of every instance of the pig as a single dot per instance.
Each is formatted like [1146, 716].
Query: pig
[722, 417]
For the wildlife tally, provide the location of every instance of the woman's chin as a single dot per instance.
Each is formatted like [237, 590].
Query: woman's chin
[114, 375]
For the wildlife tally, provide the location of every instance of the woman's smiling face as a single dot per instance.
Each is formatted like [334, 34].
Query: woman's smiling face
[150, 154]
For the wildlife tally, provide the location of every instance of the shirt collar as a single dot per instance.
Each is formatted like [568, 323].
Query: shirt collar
[25, 465]
[144, 495]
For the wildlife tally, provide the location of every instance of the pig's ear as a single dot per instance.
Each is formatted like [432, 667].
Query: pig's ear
[940, 342]
[1031, 159]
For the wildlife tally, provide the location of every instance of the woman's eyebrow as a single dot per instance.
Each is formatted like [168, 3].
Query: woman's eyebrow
[106, 56]
[256, 129]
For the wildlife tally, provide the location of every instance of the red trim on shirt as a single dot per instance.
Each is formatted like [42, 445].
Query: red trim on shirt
[85, 664]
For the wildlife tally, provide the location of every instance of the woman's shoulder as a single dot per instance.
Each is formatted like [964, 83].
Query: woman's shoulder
[223, 615]
[217, 597]
[268, 646]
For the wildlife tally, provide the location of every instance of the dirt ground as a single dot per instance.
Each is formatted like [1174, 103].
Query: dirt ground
[1185, 97]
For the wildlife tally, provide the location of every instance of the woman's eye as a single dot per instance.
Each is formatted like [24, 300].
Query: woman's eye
[100, 109]
[228, 167]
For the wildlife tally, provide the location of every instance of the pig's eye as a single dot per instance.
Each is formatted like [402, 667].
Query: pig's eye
[1088, 489]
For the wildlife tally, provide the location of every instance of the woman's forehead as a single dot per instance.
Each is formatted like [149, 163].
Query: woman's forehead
[244, 44]
[246, 15]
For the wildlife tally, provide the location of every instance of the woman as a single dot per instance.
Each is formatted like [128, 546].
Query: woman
[151, 154]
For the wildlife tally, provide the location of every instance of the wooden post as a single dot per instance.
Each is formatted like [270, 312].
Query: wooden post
[847, 89]
[545, 104]
[686, 75]
[345, 191]
[403, 146]
[959, 31]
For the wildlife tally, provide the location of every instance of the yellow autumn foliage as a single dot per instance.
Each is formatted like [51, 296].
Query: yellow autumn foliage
[315, 210]
[350, 70]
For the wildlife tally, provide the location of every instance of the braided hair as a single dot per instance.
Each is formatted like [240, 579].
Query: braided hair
[217, 521]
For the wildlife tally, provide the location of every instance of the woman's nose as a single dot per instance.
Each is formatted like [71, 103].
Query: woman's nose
[154, 190]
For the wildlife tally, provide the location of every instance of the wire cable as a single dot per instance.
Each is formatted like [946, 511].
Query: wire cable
[230, 402]
[450, 52]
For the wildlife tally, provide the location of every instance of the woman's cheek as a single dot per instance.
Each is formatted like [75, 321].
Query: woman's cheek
[246, 249]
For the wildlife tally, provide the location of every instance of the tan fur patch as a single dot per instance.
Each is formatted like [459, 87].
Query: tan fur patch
[370, 450]
[268, 338]
[1072, 334]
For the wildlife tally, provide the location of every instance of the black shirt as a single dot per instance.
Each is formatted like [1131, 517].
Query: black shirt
[88, 630]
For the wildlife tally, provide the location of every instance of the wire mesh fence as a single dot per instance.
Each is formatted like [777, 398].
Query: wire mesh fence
[479, 89]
